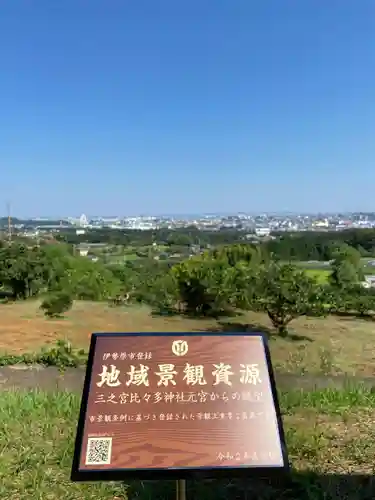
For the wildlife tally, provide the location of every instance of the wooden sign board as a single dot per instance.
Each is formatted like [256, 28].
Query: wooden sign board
[178, 405]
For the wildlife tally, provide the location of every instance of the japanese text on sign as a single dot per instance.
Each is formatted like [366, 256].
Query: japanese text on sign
[178, 397]
[192, 375]
[175, 417]
[108, 356]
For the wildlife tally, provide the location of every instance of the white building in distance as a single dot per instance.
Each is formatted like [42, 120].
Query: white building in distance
[83, 221]
[262, 231]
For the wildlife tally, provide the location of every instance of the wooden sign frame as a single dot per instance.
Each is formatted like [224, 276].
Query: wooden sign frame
[79, 474]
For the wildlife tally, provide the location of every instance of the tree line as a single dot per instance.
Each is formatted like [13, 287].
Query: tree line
[300, 246]
[177, 237]
[321, 245]
[220, 281]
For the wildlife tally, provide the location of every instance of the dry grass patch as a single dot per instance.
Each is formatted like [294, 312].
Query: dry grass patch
[332, 444]
[331, 345]
[23, 326]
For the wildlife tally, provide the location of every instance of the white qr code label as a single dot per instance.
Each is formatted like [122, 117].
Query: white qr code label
[99, 451]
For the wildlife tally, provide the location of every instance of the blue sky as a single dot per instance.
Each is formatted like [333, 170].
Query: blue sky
[188, 106]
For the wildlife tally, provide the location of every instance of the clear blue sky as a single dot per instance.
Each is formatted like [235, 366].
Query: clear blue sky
[186, 106]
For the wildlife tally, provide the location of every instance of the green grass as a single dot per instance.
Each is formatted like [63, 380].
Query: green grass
[36, 438]
[130, 256]
[62, 355]
[369, 270]
[327, 432]
[120, 259]
[322, 272]
[321, 275]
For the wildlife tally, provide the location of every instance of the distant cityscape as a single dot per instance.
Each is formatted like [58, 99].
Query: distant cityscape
[259, 225]
[253, 228]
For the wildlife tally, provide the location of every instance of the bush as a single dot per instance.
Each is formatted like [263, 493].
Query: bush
[204, 286]
[57, 304]
[90, 281]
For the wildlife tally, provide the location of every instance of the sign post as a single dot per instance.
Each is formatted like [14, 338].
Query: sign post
[178, 406]
[181, 489]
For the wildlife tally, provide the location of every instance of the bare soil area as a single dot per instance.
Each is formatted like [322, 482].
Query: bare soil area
[325, 346]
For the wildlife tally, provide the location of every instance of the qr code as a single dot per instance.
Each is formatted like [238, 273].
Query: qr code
[99, 451]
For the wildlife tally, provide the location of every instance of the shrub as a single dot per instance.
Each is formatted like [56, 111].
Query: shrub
[57, 304]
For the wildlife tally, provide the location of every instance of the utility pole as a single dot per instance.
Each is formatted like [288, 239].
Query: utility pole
[9, 223]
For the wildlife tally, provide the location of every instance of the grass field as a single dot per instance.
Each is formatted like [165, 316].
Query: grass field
[327, 433]
[321, 275]
[331, 345]
[321, 271]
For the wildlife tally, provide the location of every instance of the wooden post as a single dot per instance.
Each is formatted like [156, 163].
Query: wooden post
[181, 489]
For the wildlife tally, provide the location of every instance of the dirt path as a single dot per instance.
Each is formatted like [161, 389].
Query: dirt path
[50, 379]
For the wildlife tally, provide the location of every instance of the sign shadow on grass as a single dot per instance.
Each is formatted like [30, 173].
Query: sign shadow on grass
[306, 485]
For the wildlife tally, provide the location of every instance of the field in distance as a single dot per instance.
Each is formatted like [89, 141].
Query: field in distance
[321, 270]
[333, 345]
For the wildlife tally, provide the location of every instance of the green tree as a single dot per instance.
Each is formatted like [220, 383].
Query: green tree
[162, 295]
[346, 268]
[87, 280]
[179, 239]
[254, 255]
[204, 286]
[57, 304]
[57, 260]
[284, 292]
[21, 270]
[359, 301]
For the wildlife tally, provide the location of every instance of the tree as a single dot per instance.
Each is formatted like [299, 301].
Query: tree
[233, 254]
[21, 270]
[204, 286]
[363, 305]
[58, 259]
[284, 292]
[179, 239]
[346, 268]
[162, 295]
[344, 275]
[57, 304]
[359, 301]
[87, 280]
[244, 281]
